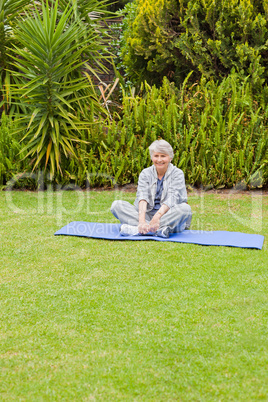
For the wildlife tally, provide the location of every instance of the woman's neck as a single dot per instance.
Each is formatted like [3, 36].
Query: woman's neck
[161, 173]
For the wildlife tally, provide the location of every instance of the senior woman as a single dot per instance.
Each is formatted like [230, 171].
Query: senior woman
[161, 205]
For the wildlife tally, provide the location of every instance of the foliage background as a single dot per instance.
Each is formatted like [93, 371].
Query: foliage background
[218, 132]
[212, 109]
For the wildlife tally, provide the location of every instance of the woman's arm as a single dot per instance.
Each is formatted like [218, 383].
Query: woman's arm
[143, 225]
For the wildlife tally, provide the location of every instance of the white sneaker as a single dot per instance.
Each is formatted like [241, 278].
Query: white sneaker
[128, 230]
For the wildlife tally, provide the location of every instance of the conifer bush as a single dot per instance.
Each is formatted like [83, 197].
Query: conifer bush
[170, 38]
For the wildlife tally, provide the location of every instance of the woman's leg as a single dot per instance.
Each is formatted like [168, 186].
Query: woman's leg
[125, 212]
[177, 218]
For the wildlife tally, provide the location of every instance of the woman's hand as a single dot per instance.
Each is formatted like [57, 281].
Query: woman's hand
[155, 223]
[143, 227]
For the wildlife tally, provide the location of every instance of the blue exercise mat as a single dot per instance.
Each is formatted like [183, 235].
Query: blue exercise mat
[111, 231]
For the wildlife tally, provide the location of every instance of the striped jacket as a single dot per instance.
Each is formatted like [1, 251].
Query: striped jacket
[174, 190]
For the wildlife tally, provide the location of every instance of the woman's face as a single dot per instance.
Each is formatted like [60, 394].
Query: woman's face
[161, 161]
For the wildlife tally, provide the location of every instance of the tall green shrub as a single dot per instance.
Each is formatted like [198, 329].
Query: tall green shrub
[11, 162]
[218, 132]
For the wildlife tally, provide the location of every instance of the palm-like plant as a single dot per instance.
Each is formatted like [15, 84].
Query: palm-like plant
[9, 11]
[52, 86]
[93, 15]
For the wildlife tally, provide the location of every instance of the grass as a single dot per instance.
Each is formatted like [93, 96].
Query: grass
[93, 320]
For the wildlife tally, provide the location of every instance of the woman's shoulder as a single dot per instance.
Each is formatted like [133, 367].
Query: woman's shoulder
[147, 171]
[174, 170]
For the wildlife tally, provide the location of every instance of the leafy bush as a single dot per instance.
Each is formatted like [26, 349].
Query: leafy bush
[10, 147]
[218, 132]
[219, 135]
[170, 38]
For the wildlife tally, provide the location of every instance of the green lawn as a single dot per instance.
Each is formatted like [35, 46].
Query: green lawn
[84, 319]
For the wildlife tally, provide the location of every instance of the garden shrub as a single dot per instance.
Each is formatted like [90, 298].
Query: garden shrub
[11, 162]
[170, 38]
[218, 132]
[55, 49]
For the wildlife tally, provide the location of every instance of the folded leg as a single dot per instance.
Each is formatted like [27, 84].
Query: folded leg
[126, 213]
[177, 218]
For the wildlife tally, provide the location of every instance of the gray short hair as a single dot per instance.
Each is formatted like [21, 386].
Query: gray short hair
[161, 146]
